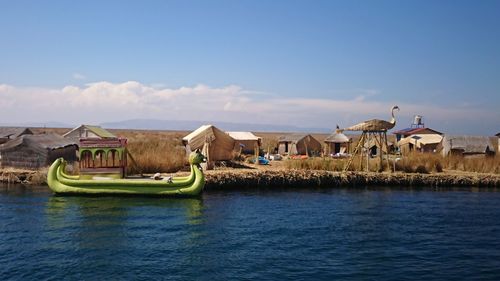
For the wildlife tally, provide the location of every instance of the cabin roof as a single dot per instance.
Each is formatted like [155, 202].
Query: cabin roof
[423, 139]
[101, 132]
[413, 131]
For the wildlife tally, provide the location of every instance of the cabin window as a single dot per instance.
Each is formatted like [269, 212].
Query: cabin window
[100, 159]
[113, 160]
[86, 160]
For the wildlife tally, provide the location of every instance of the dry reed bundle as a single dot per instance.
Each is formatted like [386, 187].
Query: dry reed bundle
[13, 175]
[156, 155]
[415, 162]
[314, 179]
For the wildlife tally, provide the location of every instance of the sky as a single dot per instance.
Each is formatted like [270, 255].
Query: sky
[302, 63]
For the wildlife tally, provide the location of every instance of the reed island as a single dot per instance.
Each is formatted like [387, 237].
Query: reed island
[243, 160]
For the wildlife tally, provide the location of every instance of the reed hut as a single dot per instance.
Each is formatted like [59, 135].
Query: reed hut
[246, 142]
[373, 146]
[88, 131]
[214, 143]
[498, 140]
[420, 142]
[35, 151]
[298, 144]
[466, 146]
[10, 133]
[337, 143]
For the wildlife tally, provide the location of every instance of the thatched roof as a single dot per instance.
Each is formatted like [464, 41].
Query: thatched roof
[97, 130]
[221, 144]
[14, 132]
[243, 136]
[337, 137]
[200, 135]
[293, 137]
[43, 141]
[469, 144]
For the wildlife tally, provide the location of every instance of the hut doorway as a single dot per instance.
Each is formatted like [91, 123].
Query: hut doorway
[336, 148]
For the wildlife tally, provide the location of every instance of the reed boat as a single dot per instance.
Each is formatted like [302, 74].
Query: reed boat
[62, 183]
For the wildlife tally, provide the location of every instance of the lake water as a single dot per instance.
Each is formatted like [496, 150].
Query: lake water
[337, 234]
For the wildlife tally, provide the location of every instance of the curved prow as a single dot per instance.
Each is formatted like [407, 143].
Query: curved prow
[52, 173]
[393, 119]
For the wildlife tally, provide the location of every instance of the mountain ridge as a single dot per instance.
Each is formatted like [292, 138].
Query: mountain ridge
[187, 125]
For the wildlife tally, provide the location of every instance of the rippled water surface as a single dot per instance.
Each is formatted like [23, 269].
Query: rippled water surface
[377, 234]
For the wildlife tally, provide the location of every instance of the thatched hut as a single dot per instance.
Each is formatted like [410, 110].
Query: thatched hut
[10, 133]
[373, 146]
[298, 144]
[466, 145]
[215, 144]
[34, 151]
[88, 131]
[246, 142]
[337, 143]
[420, 142]
[498, 140]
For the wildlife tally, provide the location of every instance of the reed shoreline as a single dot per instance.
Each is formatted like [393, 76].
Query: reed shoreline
[228, 179]
[326, 179]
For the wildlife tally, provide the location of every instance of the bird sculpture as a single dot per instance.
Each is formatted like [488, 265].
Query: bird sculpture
[375, 125]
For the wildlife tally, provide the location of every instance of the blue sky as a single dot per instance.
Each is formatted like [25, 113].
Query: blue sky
[310, 63]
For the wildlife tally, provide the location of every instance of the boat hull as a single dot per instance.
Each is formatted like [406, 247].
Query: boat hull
[61, 183]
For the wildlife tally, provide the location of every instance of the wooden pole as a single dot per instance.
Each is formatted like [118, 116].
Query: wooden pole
[381, 148]
[367, 168]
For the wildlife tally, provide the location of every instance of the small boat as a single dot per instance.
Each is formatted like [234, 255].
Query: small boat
[192, 185]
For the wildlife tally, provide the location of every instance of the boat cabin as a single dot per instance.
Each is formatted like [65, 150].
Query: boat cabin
[103, 158]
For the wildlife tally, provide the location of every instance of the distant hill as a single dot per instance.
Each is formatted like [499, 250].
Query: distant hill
[176, 125]
[49, 124]
[184, 125]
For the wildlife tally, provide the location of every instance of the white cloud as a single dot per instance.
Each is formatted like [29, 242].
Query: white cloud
[79, 76]
[105, 101]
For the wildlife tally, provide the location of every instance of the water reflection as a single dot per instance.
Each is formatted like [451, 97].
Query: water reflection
[100, 209]
[101, 230]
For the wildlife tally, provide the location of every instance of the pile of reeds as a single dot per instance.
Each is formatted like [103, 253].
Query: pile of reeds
[479, 164]
[422, 163]
[316, 163]
[359, 164]
[310, 179]
[428, 163]
[153, 155]
[23, 176]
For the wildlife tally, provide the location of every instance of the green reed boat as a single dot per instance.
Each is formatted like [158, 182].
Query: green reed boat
[192, 185]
